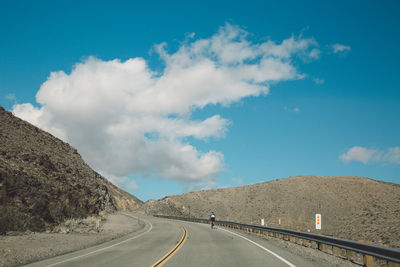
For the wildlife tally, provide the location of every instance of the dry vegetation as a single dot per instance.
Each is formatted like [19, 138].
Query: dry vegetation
[44, 181]
[352, 207]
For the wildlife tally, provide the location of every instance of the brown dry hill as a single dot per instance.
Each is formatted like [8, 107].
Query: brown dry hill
[351, 207]
[44, 181]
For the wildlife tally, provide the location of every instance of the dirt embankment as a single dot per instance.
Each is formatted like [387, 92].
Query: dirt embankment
[20, 249]
[351, 207]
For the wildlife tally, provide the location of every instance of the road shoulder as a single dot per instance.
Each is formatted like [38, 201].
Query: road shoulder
[290, 250]
[27, 248]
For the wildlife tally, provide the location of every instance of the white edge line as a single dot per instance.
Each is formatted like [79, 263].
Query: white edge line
[80, 256]
[258, 245]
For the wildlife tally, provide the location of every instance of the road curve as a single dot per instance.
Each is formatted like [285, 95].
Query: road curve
[143, 248]
[201, 246]
[224, 247]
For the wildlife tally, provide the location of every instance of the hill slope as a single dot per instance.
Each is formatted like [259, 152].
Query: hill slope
[44, 181]
[351, 207]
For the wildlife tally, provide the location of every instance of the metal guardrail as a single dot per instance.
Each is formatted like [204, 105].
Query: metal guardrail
[368, 251]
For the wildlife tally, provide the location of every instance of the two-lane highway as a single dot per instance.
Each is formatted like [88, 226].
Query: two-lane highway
[223, 247]
[177, 243]
[143, 248]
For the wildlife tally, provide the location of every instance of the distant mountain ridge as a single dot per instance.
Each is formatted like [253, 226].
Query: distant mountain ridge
[351, 207]
[44, 181]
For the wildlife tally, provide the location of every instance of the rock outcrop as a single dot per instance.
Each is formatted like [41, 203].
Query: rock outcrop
[44, 181]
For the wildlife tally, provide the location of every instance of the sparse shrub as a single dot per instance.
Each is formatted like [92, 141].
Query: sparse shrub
[43, 180]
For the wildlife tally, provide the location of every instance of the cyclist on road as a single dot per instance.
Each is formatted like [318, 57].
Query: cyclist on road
[212, 219]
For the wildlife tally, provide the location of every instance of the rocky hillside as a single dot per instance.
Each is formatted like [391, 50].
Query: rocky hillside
[44, 181]
[351, 207]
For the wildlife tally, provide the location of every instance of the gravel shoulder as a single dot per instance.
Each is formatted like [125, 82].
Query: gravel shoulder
[313, 255]
[30, 247]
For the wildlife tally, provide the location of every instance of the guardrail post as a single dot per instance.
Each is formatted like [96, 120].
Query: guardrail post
[349, 255]
[368, 261]
[322, 247]
[314, 245]
[335, 251]
[329, 249]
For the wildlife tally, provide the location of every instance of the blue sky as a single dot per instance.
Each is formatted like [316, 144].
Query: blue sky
[341, 117]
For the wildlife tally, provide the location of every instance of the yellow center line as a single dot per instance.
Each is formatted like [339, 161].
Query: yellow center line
[172, 252]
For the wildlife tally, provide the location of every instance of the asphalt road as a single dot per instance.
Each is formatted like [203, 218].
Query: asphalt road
[201, 247]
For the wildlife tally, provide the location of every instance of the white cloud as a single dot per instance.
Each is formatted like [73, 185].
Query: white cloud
[124, 118]
[295, 109]
[314, 54]
[237, 181]
[115, 179]
[392, 155]
[339, 48]
[11, 97]
[291, 46]
[132, 186]
[318, 81]
[358, 153]
[365, 155]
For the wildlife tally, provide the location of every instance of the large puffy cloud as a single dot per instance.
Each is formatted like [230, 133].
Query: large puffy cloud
[365, 155]
[125, 118]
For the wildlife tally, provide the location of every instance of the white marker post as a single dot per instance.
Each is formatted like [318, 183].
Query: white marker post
[318, 221]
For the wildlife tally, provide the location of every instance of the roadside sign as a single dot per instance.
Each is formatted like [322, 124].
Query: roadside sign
[318, 221]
